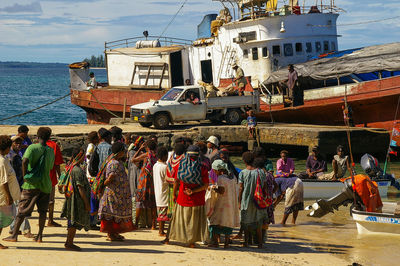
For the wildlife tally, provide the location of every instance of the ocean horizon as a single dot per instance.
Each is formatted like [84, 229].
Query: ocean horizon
[28, 85]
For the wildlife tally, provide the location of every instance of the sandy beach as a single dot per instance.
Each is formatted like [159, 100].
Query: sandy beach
[143, 247]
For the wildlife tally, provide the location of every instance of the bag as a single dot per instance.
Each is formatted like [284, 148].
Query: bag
[64, 184]
[93, 166]
[35, 175]
[260, 199]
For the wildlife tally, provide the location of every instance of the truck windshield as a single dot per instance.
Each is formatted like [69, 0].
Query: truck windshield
[172, 94]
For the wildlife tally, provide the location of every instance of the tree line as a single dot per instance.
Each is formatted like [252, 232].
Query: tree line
[96, 61]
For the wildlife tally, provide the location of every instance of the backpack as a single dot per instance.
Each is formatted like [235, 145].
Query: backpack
[261, 200]
[93, 166]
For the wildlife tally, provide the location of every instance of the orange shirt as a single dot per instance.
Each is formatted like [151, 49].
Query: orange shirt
[57, 161]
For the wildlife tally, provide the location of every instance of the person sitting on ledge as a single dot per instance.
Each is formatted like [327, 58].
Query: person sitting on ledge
[315, 165]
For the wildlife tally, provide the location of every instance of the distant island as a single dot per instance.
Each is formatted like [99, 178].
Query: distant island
[95, 61]
[12, 64]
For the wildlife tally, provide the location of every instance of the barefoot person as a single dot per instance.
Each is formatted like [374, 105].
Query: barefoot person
[37, 162]
[292, 189]
[54, 175]
[145, 198]
[161, 188]
[189, 221]
[251, 218]
[115, 209]
[9, 188]
[225, 216]
[76, 205]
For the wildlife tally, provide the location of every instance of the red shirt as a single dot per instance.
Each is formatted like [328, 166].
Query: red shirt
[58, 160]
[196, 199]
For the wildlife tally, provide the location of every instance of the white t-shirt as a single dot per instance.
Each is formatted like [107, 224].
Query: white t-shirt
[161, 187]
[7, 175]
[89, 152]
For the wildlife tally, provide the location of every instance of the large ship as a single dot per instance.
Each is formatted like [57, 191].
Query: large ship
[262, 38]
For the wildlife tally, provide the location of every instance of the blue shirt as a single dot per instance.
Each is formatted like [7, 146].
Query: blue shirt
[104, 150]
[27, 141]
[251, 121]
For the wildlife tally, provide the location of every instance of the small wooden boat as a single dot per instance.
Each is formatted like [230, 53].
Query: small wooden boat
[316, 189]
[386, 222]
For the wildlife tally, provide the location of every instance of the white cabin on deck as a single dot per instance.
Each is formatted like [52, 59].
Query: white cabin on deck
[263, 39]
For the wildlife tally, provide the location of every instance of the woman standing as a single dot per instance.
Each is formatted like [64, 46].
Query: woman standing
[189, 221]
[292, 189]
[76, 205]
[145, 197]
[252, 218]
[115, 211]
[9, 187]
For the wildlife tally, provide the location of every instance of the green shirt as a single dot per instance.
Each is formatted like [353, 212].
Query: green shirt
[33, 154]
[269, 166]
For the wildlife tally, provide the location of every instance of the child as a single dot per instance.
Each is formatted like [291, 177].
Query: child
[252, 218]
[251, 124]
[161, 188]
[225, 216]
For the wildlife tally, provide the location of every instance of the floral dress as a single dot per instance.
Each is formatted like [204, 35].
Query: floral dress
[115, 211]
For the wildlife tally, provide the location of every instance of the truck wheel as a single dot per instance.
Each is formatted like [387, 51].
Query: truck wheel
[146, 124]
[233, 117]
[161, 121]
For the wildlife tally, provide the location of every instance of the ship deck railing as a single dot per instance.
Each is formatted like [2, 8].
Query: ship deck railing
[130, 42]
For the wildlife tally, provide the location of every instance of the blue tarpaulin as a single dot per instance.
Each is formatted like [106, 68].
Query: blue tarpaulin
[204, 28]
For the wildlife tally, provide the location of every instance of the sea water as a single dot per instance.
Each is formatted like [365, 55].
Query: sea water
[26, 88]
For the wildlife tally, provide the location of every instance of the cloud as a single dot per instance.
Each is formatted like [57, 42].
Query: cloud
[34, 7]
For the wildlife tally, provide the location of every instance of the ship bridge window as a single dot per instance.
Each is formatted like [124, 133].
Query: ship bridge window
[288, 49]
[276, 50]
[299, 47]
[333, 46]
[265, 51]
[254, 52]
[318, 46]
[309, 47]
[246, 53]
[326, 46]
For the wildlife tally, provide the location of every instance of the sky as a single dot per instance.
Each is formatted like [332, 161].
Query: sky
[70, 30]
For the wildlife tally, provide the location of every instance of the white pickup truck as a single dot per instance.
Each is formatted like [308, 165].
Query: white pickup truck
[188, 103]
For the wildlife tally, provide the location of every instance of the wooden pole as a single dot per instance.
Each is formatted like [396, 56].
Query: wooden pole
[124, 113]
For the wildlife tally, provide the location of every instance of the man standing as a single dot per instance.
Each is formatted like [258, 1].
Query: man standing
[104, 147]
[16, 162]
[240, 79]
[38, 160]
[26, 141]
[54, 175]
[295, 93]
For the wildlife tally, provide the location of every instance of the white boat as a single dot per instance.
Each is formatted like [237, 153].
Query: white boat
[316, 189]
[378, 223]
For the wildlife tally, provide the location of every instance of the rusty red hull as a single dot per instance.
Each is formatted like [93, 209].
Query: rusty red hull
[374, 105]
[100, 103]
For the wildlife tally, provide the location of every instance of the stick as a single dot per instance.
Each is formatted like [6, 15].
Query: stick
[123, 114]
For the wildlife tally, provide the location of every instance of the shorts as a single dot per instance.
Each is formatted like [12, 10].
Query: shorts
[30, 197]
[162, 214]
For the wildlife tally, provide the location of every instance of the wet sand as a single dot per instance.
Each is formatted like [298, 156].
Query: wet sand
[331, 240]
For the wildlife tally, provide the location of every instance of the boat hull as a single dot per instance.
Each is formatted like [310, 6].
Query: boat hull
[103, 104]
[377, 223]
[373, 104]
[314, 189]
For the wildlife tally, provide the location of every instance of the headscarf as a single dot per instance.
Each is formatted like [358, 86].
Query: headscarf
[189, 170]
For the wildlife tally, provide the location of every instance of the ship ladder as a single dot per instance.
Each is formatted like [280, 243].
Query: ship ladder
[228, 57]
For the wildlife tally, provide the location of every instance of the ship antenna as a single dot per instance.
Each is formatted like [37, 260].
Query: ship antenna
[173, 18]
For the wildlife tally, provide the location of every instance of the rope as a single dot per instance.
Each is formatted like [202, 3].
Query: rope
[391, 137]
[173, 18]
[105, 108]
[358, 23]
[37, 108]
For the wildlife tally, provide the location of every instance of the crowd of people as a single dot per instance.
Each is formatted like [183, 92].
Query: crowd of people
[121, 183]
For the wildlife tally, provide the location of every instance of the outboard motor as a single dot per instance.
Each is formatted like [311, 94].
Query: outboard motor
[323, 207]
[371, 167]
